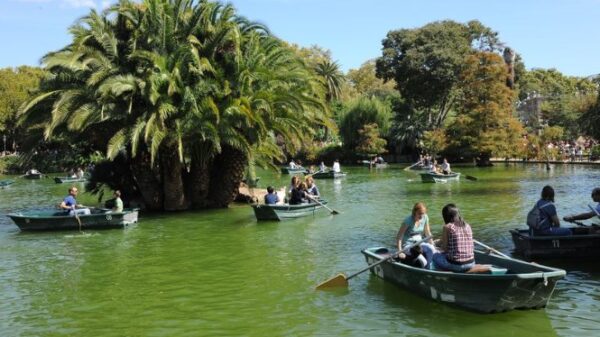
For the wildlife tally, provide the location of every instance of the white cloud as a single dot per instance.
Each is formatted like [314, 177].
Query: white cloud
[69, 3]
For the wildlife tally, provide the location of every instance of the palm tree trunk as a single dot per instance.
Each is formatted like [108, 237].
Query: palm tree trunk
[172, 179]
[199, 178]
[226, 174]
[146, 179]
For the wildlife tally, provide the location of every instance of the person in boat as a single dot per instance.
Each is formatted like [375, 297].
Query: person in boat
[292, 164]
[379, 160]
[456, 245]
[293, 184]
[414, 228]
[549, 223]
[299, 195]
[445, 167]
[118, 207]
[587, 215]
[311, 187]
[322, 167]
[79, 173]
[33, 171]
[336, 166]
[271, 198]
[69, 203]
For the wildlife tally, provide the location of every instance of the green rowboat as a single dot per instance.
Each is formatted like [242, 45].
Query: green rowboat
[37, 220]
[431, 177]
[60, 180]
[33, 176]
[329, 175]
[296, 170]
[285, 211]
[4, 183]
[511, 284]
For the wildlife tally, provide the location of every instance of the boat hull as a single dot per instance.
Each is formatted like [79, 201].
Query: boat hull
[4, 183]
[430, 177]
[61, 180]
[584, 243]
[283, 212]
[58, 220]
[329, 175]
[287, 170]
[524, 286]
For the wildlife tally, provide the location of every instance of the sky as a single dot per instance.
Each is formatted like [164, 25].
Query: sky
[561, 34]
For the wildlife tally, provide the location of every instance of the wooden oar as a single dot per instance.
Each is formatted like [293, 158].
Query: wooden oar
[341, 280]
[471, 177]
[333, 211]
[413, 165]
[492, 249]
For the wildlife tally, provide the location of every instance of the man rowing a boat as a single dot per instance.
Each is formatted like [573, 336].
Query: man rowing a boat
[69, 204]
[587, 215]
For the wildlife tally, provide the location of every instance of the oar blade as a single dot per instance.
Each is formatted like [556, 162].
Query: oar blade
[333, 211]
[337, 281]
[471, 178]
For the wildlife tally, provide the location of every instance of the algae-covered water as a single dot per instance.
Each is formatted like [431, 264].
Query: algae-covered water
[220, 273]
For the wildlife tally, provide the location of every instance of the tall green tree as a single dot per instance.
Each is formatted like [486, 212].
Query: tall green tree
[185, 91]
[16, 87]
[426, 64]
[484, 125]
[361, 112]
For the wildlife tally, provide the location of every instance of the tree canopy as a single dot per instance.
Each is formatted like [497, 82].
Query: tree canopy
[184, 91]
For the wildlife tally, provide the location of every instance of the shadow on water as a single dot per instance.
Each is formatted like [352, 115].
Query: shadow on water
[433, 318]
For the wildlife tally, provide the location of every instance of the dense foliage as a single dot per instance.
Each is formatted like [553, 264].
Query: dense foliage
[184, 91]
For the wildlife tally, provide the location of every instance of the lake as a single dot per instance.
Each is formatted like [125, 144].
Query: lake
[220, 273]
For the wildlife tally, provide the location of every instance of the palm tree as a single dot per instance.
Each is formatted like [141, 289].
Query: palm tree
[186, 89]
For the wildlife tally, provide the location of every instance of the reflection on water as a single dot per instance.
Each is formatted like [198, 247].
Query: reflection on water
[221, 272]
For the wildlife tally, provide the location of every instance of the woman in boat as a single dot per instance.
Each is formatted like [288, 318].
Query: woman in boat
[587, 215]
[293, 185]
[548, 222]
[299, 195]
[311, 187]
[412, 230]
[322, 167]
[456, 244]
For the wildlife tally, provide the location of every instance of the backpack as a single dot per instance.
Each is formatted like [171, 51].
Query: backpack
[534, 217]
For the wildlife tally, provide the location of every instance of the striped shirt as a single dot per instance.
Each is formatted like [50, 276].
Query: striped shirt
[460, 243]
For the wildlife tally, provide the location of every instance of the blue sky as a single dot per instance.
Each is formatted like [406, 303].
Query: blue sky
[548, 34]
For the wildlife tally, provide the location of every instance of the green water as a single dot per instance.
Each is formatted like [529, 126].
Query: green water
[220, 273]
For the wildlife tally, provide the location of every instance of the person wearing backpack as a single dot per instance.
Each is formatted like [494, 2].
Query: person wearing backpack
[546, 220]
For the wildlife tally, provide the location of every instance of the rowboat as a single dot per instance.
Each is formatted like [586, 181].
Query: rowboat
[329, 175]
[512, 284]
[60, 180]
[584, 243]
[33, 176]
[6, 182]
[375, 165]
[296, 170]
[35, 220]
[286, 211]
[432, 177]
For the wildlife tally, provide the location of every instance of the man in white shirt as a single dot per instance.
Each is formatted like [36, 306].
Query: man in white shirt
[446, 167]
[336, 166]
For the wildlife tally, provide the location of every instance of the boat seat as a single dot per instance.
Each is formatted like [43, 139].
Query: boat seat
[487, 269]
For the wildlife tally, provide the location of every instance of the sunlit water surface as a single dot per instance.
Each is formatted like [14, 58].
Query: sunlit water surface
[220, 273]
